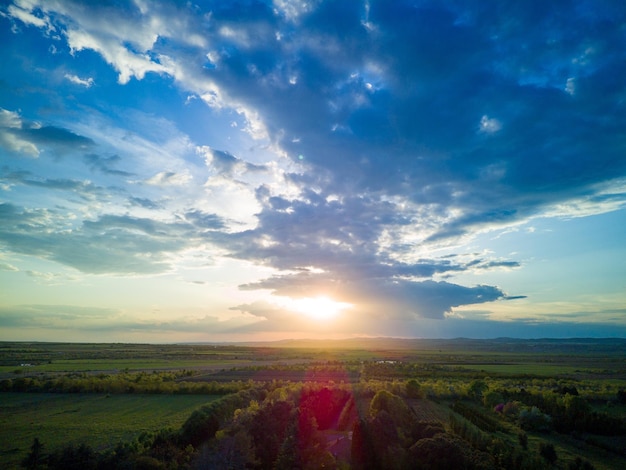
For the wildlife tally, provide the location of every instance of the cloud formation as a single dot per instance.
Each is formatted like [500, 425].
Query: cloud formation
[353, 149]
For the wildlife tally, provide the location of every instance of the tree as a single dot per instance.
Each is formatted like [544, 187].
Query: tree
[35, 457]
[548, 452]
[362, 453]
[533, 419]
[477, 388]
[413, 389]
[71, 457]
[268, 430]
[580, 464]
[439, 452]
[522, 437]
[392, 404]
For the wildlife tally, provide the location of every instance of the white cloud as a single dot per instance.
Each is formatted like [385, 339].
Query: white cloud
[8, 267]
[22, 11]
[570, 86]
[489, 125]
[169, 178]
[10, 125]
[127, 63]
[294, 9]
[86, 82]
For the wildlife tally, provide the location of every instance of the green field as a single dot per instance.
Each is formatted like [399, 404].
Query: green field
[98, 420]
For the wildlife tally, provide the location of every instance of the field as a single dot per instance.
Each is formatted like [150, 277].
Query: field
[104, 394]
[101, 421]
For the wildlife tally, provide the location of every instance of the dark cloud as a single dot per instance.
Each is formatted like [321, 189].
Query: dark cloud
[227, 165]
[388, 296]
[471, 109]
[334, 247]
[86, 190]
[57, 135]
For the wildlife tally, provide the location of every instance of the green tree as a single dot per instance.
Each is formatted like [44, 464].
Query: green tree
[522, 437]
[35, 457]
[548, 452]
[413, 389]
[477, 388]
[392, 404]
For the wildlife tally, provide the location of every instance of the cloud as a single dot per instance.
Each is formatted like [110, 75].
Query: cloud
[225, 164]
[23, 137]
[144, 202]
[11, 137]
[98, 320]
[169, 178]
[399, 129]
[117, 244]
[26, 17]
[86, 190]
[52, 316]
[86, 82]
[60, 138]
[8, 267]
[105, 164]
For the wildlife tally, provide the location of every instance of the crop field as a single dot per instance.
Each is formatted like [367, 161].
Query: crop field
[426, 410]
[98, 420]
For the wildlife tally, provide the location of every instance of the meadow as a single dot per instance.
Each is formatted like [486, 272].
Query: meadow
[489, 404]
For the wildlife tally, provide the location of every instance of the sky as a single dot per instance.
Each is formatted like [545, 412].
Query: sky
[180, 171]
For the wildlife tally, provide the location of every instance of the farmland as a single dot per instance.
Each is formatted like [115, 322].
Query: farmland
[100, 421]
[505, 403]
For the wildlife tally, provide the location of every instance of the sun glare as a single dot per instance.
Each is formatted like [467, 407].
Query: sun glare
[319, 308]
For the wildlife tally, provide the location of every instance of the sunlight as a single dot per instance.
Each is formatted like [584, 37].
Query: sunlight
[320, 308]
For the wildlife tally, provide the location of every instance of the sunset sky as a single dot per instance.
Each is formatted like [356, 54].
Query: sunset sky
[257, 170]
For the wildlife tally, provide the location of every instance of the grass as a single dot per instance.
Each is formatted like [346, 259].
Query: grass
[100, 421]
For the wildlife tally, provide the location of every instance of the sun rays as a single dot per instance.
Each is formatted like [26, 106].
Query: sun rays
[320, 308]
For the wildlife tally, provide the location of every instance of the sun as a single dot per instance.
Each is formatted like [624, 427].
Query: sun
[319, 308]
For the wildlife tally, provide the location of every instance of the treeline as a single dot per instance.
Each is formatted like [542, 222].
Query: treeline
[566, 412]
[140, 382]
[451, 382]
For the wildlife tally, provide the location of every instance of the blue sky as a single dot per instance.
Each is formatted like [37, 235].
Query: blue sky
[172, 171]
